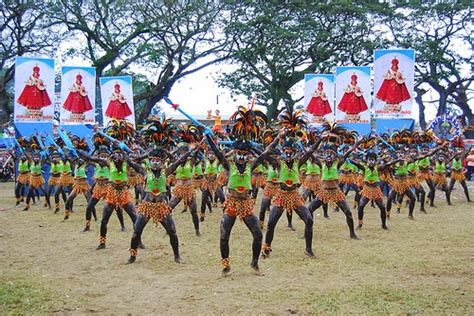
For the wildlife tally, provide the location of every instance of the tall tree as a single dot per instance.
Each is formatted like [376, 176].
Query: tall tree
[185, 38]
[277, 42]
[440, 34]
[24, 31]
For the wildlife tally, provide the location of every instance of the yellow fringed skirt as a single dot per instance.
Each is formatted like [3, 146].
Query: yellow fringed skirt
[288, 200]
[371, 191]
[66, 179]
[23, 178]
[117, 196]
[185, 192]
[156, 211]
[36, 180]
[332, 195]
[458, 175]
[238, 207]
[439, 179]
[135, 180]
[270, 190]
[54, 179]
[80, 186]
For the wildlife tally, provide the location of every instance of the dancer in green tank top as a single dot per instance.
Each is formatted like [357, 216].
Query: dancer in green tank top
[154, 205]
[457, 172]
[371, 190]
[22, 178]
[288, 198]
[211, 185]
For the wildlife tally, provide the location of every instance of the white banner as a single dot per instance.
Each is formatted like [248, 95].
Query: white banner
[78, 95]
[34, 89]
[319, 97]
[117, 99]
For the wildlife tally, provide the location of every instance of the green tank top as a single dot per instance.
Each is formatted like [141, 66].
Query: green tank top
[328, 174]
[424, 163]
[197, 170]
[401, 169]
[81, 172]
[35, 168]
[220, 169]
[457, 164]
[371, 176]
[240, 182]
[154, 184]
[23, 166]
[289, 176]
[66, 167]
[184, 172]
[412, 168]
[440, 167]
[56, 167]
[101, 172]
[272, 174]
[304, 168]
[260, 169]
[312, 168]
[118, 176]
[346, 166]
[211, 167]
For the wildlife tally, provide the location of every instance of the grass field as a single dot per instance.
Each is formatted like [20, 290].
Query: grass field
[425, 266]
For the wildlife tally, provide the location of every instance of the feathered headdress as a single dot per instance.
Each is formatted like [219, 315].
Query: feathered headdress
[23, 142]
[34, 144]
[367, 142]
[160, 133]
[294, 121]
[100, 140]
[247, 124]
[80, 143]
[189, 133]
[336, 133]
[121, 130]
[268, 136]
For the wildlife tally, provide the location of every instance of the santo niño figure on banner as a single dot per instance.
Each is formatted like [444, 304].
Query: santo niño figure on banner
[393, 90]
[34, 95]
[118, 107]
[77, 101]
[353, 102]
[319, 104]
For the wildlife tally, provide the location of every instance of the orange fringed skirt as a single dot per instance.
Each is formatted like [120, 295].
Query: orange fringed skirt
[413, 181]
[36, 180]
[371, 191]
[66, 179]
[117, 196]
[100, 191]
[458, 175]
[238, 207]
[222, 179]
[259, 181]
[424, 175]
[313, 184]
[80, 186]
[347, 178]
[270, 190]
[135, 180]
[400, 184]
[211, 186]
[156, 211]
[288, 200]
[332, 195]
[23, 178]
[198, 183]
[185, 192]
[54, 179]
[439, 179]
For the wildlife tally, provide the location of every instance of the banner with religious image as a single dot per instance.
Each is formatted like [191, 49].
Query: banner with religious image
[34, 89]
[394, 71]
[319, 97]
[353, 95]
[117, 99]
[77, 95]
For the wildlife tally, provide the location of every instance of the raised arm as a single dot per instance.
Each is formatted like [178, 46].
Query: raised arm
[179, 161]
[86, 157]
[309, 152]
[137, 167]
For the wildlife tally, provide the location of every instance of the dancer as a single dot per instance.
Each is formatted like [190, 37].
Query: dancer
[246, 124]
[457, 173]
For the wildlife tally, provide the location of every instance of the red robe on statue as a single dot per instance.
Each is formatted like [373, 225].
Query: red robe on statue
[77, 101]
[34, 94]
[353, 101]
[393, 89]
[118, 107]
[319, 104]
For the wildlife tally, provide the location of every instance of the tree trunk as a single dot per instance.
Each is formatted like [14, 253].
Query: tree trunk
[421, 107]
[150, 103]
[272, 109]
[5, 109]
[463, 103]
[443, 102]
